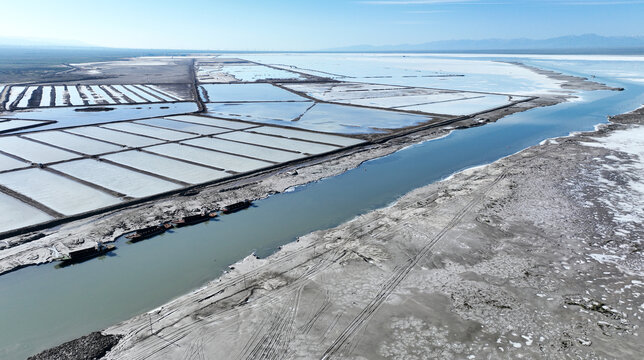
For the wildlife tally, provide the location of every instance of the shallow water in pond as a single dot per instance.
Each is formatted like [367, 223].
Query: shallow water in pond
[68, 116]
[42, 306]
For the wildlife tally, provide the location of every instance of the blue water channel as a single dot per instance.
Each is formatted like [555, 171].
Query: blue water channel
[42, 306]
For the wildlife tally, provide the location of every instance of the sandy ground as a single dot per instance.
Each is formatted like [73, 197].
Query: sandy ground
[537, 255]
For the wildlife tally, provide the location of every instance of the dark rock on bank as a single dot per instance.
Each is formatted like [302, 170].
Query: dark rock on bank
[92, 346]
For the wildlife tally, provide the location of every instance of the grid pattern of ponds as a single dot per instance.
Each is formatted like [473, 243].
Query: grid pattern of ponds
[425, 100]
[344, 107]
[36, 96]
[245, 71]
[50, 174]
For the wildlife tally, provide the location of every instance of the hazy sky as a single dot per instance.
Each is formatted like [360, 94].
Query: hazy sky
[310, 25]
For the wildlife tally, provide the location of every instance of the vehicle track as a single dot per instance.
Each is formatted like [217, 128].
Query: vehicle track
[399, 274]
[327, 257]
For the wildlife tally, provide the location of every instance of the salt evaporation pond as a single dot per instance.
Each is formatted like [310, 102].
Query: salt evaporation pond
[172, 97]
[33, 151]
[74, 142]
[61, 194]
[102, 94]
[68, 116]
[87, 95]
[287, 144]
[183, 126]
[259, 111]
[14, 92]
[8, 125]
[60, 95]
[422, 70]
[252, 73]
[96, 294]
[246, 92]
[306, 135]
[15, 212]
[462, 107]
[322, 117]
[130, 94]
[141, 94]
[115, 178]
[8, 163]
[233, 125]
[74, 96]
[115, 137]
[163, 96]
[150, 131]
[258, 152]
[174, 169]
[25, 98]
[45, 100]
[209, 158]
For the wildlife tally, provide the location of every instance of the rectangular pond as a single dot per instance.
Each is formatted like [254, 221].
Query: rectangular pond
[61, 194]
[157, 93]
[102, 94]
[116, 178]
[8, 125]
[209, 157]
[140, 93]
[307, 135]
[277, 142]
[74, 142]
[174, 169]
[114, 136]
[9, 163]
[60, 95]
[183, 126]
[45, 100]
[258, 152]
[252, 73]
[79, 116]
[26, 97]
[151, 131]
[259, 111]
[246, 92]
[234, 125]
[16, 214]
[74, 96]
[464, 106]
[33, 151]
[129, 94]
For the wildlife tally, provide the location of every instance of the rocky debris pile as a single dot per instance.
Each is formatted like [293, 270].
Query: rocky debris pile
[92, 346]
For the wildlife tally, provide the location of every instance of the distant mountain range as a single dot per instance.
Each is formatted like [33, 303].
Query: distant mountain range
[586, 44]
[574, 43]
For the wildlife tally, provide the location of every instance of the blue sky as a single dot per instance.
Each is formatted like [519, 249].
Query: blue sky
[311, 25]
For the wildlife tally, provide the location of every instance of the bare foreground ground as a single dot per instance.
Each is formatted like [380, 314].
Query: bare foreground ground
[537, 255]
